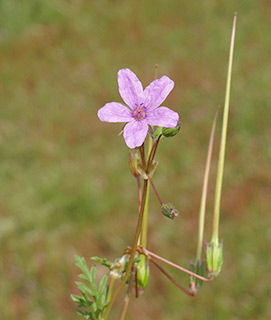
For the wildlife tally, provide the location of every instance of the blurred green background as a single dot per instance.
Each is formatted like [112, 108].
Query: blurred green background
[66, 188]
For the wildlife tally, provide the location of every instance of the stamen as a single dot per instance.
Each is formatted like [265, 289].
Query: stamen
[139, 112]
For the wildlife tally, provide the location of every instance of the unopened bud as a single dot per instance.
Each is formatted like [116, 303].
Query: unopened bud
[169, 211]
[119, 266]
[133, 161]
[171, 132]
[214, 258]
[143, 271]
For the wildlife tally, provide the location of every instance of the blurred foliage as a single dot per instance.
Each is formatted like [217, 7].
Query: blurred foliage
[65, 185]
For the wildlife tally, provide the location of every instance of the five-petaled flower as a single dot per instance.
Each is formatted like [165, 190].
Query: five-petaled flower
[142, 109]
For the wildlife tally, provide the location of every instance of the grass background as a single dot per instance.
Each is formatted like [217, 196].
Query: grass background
[65, 186]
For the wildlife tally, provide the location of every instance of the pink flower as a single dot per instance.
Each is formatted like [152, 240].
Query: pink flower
[142, 109]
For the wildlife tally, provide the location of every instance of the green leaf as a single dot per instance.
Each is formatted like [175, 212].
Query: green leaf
[102, 285]
[81, 302]
[81, 263]
[92, 279]
[98, 313]
[103, 261]
[87, 315]
[102, 291]
[84, 288]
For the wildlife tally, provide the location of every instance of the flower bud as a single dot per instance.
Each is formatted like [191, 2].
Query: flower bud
[143, 271]
[119, 266]
[169, 211]
[133, 161]
[171, 132]
[214, 257]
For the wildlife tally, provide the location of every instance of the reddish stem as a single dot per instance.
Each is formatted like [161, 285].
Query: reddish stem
[177, 266]
[139, 193]
[172, 279]
[156, 192]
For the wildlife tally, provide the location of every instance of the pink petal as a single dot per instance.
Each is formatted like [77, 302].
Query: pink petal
[130, 88]
[156, 92]
[115, 112]
[163, 117]
[135, 133]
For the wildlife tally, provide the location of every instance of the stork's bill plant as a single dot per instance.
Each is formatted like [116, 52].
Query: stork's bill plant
[147, 124]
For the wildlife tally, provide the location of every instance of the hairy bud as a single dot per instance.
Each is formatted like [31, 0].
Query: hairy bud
[169, 211]
[171, 132]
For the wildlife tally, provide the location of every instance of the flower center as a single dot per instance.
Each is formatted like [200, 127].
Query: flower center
[139, 112]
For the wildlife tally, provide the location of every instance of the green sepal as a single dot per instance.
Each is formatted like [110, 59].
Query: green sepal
[199, 268]
[143, 271]
[214, 257]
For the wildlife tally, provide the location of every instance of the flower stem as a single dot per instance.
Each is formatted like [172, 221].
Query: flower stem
[191, 294]
[156, 192]
[223, 141]
[110, 289]
[177, 266]
[139, 193]
[132, 253]
[143, 234]
[128, 295]
[153, 152]
[204, 192]
[142, 153]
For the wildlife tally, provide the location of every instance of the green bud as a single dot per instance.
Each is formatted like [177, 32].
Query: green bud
[133, 161]
[214, 257]
[169, 211]
[171, 132]
[143, 271]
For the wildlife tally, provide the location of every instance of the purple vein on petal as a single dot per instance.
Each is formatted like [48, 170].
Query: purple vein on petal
[130, 87]
[135, 133]
[157, 91]
[163, 117]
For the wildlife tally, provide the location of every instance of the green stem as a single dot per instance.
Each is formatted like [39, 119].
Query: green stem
[204, 192]
[143, 235]
[132, 253]
[128, 295]
[152, 152]
[223, 141]
[110, 289]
